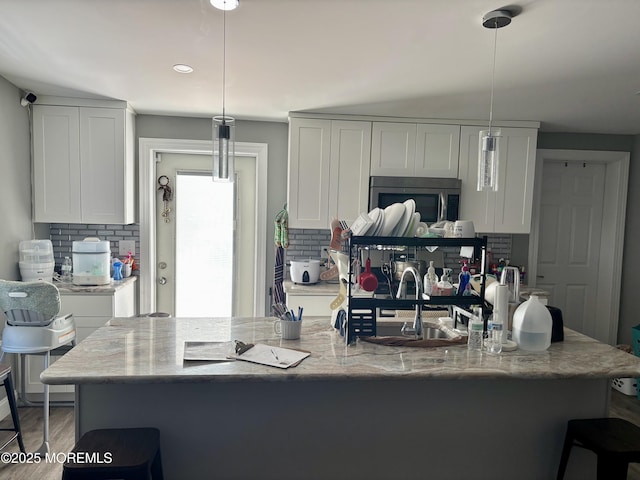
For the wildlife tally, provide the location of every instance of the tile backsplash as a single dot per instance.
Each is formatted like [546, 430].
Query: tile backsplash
[309, 243]
[63, 235]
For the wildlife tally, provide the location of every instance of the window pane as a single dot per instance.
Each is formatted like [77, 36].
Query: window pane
[204, 246]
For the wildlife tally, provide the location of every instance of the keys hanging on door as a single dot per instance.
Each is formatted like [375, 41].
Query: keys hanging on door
[167, 196]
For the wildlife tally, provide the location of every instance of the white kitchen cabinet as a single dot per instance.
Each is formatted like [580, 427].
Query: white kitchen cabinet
[90, 311]
[509, 209]
[83, 165]
[410, 149]
[328, 171]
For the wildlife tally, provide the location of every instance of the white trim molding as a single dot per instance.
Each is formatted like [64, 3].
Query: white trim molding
[149, 148]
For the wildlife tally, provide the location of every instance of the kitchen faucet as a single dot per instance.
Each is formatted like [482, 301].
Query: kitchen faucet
[417, 322]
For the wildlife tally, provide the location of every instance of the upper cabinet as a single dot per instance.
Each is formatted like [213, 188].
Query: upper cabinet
[509, 209]
[328, 171]
[329, 164]
[83, 164]
[330, 161]
[415, 149]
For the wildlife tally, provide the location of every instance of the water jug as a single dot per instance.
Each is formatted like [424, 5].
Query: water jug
[532, 325]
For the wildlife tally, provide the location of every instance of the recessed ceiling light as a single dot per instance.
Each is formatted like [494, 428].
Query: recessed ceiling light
[182, 68]
[225, 4]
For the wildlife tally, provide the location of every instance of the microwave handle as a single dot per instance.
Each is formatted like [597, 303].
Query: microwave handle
[442, 215]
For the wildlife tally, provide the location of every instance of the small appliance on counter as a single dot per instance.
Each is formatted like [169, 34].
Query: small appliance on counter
[91, 262]
[305, 271]
[36, 260]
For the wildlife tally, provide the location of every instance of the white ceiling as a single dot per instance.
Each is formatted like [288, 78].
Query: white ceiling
[573, 65]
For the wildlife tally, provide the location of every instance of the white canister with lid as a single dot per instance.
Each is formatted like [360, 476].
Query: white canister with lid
[532, 324]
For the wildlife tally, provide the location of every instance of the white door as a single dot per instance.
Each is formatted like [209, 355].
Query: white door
[206, 239]
[570, 229]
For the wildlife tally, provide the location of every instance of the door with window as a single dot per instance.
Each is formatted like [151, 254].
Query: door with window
[205, 238]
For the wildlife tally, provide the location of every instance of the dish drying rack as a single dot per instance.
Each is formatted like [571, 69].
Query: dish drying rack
[362, 311]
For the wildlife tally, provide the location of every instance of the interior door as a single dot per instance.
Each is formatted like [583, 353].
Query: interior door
[205, 238]
[571, 213]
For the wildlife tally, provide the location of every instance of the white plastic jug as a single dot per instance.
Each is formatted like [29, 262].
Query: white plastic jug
[532, 325]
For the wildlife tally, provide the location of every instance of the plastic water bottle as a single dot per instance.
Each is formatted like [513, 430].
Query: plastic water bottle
[66, 269]
[494, 342]
[475, 328]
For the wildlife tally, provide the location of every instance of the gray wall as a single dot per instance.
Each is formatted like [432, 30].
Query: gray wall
[272, 133]
[15, 175]
[631, 257]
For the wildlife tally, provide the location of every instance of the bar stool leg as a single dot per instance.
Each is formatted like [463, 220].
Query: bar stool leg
[566, 450]
[156, 467]
[8, 385]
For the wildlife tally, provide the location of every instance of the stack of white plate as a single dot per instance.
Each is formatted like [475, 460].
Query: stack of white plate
[397, 220]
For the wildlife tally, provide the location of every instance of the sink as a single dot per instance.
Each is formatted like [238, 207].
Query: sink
[393, 330]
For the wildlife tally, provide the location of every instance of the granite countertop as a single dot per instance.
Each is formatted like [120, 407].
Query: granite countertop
[66, 288]
[150, 350]
[320, 288]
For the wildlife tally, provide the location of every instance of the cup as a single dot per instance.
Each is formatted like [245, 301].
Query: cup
[463, 229]
[287, 329]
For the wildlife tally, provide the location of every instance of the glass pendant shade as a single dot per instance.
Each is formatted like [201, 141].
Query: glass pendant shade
[488, 162]
[223, 149]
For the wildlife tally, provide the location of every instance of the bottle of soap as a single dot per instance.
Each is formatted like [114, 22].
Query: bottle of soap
[445, 287]
[430, 279]
[463, 279]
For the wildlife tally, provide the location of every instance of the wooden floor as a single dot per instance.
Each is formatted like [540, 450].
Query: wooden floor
[61, 440]
[61, 437]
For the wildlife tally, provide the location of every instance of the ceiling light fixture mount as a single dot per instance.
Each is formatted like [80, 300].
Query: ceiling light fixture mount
[223, 125]
[488, 147]
[225, 4]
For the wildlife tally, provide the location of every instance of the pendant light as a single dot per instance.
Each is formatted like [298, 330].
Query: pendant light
[223, 125]
[488, 147]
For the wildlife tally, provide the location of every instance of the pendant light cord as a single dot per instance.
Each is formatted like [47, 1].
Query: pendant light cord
[493, 73]
[224, 62]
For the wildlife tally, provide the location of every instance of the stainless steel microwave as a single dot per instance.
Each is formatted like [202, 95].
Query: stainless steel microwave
[436, 199]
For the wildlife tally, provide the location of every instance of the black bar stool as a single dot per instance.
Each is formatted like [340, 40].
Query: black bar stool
[615, 441]
[5, 376]
[126, 453]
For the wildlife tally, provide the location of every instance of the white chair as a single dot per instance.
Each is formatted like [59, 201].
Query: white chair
[34, 326]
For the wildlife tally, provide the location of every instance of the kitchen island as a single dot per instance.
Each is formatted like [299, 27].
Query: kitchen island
[363, 411]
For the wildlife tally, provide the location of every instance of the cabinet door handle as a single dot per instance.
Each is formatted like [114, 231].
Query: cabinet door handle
[539, 276]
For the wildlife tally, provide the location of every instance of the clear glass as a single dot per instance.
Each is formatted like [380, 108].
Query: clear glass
[223, 149]
[204, 246]
[488, 162]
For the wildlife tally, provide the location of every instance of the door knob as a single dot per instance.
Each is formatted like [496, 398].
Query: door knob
[162, 280]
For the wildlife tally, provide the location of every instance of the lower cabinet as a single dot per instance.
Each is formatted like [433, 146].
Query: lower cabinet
[90, 311]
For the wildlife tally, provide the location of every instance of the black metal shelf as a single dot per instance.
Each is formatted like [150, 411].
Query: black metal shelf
[418, 242]
[406, 304]
[362, 314]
